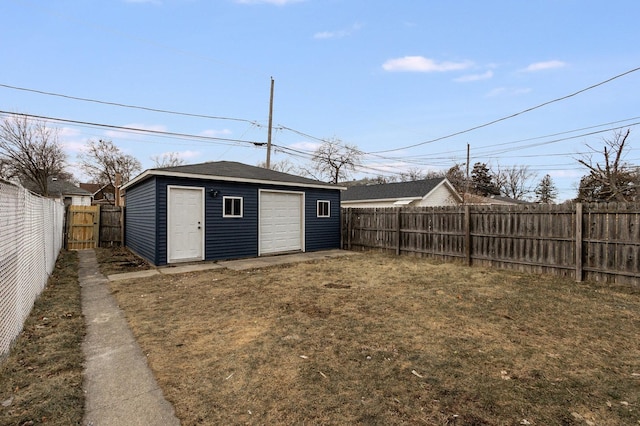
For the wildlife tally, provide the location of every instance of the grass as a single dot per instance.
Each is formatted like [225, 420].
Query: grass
[380, 340]
[41, 378]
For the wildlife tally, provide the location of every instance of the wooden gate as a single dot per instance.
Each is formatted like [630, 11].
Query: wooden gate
[83, 225]
[110, 226]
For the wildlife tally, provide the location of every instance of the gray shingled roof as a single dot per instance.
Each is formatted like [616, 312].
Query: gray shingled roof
[232, 169]
[57, 187]
[385, 191]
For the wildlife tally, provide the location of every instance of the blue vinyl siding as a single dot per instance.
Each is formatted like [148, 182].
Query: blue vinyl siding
[140, 220]
[322, 233]
[225, 237]
[232, 237]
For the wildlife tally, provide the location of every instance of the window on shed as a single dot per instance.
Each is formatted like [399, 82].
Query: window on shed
[232, 207]
[323, 208]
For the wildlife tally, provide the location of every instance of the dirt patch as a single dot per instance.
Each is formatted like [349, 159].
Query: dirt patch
[117, 260]
[333, 285]
[388, 340]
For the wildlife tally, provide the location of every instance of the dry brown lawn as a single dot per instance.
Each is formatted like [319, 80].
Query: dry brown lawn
[380, 340]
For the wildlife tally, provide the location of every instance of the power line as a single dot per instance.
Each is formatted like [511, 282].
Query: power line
[431, 155]
[512, 115]
[164, 111]
[131, 129]
[504, 151]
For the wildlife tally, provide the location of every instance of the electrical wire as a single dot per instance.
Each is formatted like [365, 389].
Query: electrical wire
[164, 111]
[131, 129]
[593, 86]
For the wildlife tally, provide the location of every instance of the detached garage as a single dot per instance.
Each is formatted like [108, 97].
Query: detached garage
[227, 210]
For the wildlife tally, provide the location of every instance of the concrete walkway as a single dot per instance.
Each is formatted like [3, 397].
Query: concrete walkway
[118, 384]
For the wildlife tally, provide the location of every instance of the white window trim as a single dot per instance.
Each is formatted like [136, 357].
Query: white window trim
[224, 199]
[328, 208]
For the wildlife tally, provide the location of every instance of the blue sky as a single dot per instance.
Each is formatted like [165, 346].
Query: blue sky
[380, 75]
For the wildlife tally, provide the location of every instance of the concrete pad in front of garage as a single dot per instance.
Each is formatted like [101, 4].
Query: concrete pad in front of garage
[133, 275]
[236, 265]
[194, 267]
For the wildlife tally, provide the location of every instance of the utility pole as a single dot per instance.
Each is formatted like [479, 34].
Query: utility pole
[270, 127]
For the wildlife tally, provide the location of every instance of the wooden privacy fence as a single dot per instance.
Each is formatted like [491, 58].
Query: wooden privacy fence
[111, 226]
[599, 242]
[93, 226]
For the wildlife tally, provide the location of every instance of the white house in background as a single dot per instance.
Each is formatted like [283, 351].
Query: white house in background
[68, 192]
[421, 193]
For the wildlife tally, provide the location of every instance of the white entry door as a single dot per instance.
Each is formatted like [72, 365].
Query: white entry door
[185, 224]
[281, 222]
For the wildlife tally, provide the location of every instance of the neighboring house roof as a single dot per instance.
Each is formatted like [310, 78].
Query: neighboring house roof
[398, 190]
[492, 199]
[57, 188]
[92, 187]
[231, 171]
[63, 187]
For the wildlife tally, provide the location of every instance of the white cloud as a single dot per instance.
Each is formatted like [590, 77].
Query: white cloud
[306, 146]
[422, 64]
[274, 2]
[71, 140]
[540, 66]
[74, 147]
[324, 35]
[143, 1]
[213, 133]
[474, 77]
[508, 91]
[571, 173]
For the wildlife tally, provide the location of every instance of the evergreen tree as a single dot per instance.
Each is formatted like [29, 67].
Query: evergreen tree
[546, 191]
[482, 181]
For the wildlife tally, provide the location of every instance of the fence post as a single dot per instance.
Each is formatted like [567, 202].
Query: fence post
[578, 242]
[398, 231]
[348, 229]
[467, 234]
[122, 242]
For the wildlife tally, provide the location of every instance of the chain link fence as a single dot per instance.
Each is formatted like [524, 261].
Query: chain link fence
[31, 236]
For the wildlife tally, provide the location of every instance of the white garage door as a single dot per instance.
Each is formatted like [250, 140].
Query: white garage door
[281, 222]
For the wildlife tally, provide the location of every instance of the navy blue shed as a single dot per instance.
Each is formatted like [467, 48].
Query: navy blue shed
[227, 210]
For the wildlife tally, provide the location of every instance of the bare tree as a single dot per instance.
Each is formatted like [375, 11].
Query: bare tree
[30, 151]
[412, 174]
[612, 179]
[284, 166]
[334, 162]
[103, 160]
[515, 181]
[457, 176]
[168, 159]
